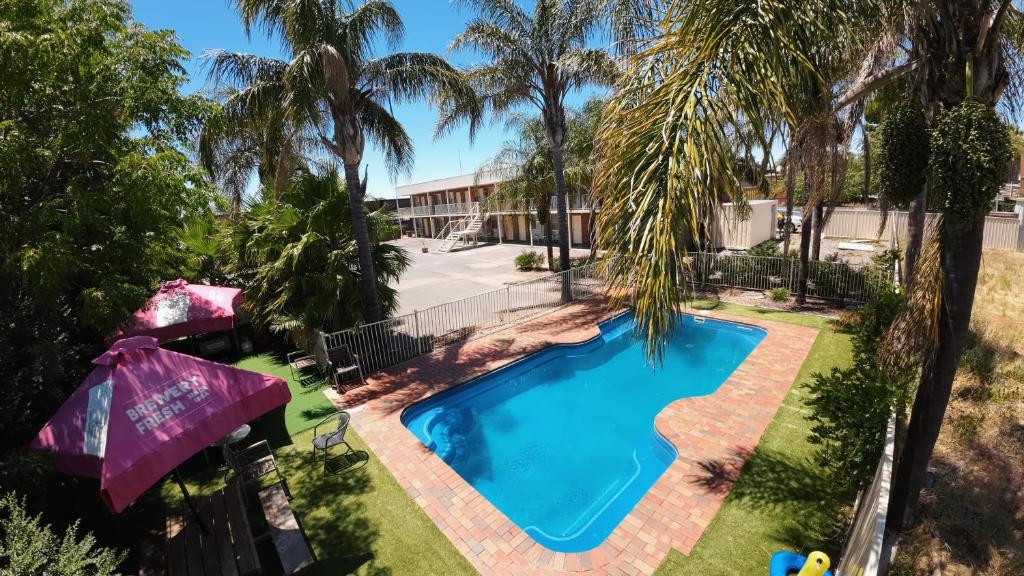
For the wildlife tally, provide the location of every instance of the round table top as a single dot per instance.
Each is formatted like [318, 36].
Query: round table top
[237, 435]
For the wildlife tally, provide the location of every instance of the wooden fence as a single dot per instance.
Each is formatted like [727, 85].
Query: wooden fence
[1001, 232]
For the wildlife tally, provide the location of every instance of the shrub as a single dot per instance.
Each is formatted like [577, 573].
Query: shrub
[529, 260]
[28, 547]
[850, 411]
[766, 248]
[556, 263]
[780, 294]
[851, 407]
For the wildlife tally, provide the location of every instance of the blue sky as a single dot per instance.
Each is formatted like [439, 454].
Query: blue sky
[429, 25]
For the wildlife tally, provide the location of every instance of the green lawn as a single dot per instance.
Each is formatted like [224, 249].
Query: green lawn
[777, 501]
[363, 522]
[308, 403]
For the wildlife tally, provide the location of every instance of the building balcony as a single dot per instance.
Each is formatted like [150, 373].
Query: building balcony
[575, 202]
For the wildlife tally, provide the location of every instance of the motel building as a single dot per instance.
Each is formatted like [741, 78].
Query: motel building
[457, 207]
[457, 211]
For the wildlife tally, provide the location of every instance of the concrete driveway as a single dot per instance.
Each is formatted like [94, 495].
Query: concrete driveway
[435, 278]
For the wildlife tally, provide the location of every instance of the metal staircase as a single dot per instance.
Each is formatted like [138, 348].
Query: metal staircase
[461, 229]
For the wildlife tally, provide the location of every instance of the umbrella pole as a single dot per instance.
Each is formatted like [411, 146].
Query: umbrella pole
[191, 504]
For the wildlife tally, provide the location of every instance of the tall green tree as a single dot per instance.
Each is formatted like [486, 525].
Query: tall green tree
[334, 88]
[665, 149]
[536, 59]
[524, 164]
[93, 184]
[300, 263]
[960, 63]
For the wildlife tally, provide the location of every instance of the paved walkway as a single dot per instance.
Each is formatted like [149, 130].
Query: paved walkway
[437, 278]
[712, 434]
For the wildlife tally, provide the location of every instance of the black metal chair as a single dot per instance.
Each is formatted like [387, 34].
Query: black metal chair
[336, 437]
[253, 463]
[299, 361]
[342, 363]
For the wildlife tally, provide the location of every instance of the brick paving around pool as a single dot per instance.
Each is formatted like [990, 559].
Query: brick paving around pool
[712, 434]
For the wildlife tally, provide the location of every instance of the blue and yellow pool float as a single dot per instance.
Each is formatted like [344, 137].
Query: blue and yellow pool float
[786, 563]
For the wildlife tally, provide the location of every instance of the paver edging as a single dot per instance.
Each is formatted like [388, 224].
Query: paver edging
[673, 514]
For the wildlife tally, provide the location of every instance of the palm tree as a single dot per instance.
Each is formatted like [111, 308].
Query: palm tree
[665, 151]
[536, 59]
[524, 167]
[238, 139]
[332, 87]
[299, 263]
[524, 164]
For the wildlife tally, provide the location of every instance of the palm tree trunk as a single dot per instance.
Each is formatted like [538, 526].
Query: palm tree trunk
[961, 258]
[804, 270]
[819, 226]
[790, 193]
[367, 274]
[563, 216]
[915, 234]
[549, 240]
[867, 165]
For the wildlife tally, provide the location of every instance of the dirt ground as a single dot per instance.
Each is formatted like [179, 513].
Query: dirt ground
[972, 513]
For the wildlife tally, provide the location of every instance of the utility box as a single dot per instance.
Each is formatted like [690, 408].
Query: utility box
[732, 232]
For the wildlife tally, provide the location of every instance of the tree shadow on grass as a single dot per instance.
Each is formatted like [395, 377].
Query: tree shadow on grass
[782, 486]
[336, 522]
[318, 413]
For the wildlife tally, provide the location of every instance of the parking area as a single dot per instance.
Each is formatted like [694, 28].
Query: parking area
[435, 278]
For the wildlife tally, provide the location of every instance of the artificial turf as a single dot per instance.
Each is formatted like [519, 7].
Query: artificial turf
[308, 404]
[779, 500]
[362, 522]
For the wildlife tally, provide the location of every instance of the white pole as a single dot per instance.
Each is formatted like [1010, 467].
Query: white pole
[499, 228]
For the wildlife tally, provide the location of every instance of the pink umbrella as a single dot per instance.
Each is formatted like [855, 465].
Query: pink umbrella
[144, 410]
[181, 309]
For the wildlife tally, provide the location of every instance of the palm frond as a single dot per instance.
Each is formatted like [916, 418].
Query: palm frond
[369, 20]
[588, 66]
[387, 134]
[665, 146]
[239, 69]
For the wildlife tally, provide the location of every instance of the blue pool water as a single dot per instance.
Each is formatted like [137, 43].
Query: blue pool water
[563, 441]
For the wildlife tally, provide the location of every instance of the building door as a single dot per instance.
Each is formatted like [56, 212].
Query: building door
[577, 228]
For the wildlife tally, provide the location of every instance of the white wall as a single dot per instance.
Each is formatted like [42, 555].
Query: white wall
[734, 233]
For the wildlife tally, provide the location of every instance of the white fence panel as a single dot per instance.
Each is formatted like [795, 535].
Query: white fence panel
[1001, 232]
[865, 553]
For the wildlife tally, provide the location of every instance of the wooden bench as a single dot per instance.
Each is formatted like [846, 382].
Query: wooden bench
[225, 548]
[284, 530]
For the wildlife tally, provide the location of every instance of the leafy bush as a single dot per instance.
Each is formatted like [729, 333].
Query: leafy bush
[298, 260]
[851, 407]
[766, 248]
[556, 263]
[529, 260]
[971, 149]
[29, 548]
[780, 294]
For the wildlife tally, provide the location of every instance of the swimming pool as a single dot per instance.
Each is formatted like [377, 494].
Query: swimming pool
[563, 441]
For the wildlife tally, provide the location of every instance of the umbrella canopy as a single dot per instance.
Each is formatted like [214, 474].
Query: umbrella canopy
[144, 410]
[181, 309]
